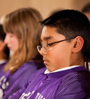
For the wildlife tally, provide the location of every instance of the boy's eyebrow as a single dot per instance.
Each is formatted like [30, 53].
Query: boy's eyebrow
[47, 38]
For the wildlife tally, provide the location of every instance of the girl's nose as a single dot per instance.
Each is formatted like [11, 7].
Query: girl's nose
[6, 39]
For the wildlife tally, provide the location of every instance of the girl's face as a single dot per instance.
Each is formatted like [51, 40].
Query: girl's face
[12, 42]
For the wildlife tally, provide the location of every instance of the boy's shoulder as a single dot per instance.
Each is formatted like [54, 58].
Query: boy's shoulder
[75, 82]
[81, 74]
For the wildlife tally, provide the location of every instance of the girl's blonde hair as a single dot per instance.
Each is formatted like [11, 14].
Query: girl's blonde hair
[24, 24]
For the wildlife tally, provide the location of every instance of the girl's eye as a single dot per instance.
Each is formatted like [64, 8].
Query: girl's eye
[11, 36]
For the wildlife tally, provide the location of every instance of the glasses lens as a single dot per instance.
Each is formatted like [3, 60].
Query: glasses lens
[39, 48]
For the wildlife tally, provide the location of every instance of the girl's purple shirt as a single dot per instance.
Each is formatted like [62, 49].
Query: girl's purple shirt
[10, 84]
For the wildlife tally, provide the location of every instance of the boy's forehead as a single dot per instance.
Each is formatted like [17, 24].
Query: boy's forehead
[48, 33]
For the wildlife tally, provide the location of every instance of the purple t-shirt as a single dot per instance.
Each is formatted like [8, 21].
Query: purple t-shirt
[10, 84]
[67, 84]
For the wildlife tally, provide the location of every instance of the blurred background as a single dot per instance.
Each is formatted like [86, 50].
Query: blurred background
[46, 7]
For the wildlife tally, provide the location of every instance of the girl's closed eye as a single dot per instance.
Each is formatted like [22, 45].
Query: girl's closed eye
[11, 35]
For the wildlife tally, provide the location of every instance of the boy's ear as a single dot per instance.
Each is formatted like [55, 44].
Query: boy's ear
[2, 45]
[78, 44]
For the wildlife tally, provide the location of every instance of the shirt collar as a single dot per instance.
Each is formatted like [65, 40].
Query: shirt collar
[62, 69]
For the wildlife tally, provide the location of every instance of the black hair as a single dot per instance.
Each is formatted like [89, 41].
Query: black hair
[72, 23]
[2, 37]
[86, 8]
[2, 33]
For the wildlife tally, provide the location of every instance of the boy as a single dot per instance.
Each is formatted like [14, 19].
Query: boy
[65, 46]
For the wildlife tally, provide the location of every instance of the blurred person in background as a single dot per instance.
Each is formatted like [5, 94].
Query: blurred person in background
[23, 32]
[86, 10]
[1, 22]
[4, 51]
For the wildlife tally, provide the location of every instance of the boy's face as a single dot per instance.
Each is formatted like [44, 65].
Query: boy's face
[59, 54]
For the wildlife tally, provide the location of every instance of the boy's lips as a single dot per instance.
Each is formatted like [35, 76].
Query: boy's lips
[45, 61]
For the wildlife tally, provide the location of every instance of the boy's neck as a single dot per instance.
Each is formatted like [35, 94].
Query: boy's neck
[77, 59]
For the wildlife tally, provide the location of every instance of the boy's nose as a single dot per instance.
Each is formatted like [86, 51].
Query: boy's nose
[43, 52]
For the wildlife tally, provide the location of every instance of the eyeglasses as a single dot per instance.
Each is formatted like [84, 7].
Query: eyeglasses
[47, 46]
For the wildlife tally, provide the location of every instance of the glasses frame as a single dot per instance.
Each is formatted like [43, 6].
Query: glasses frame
[49, 44]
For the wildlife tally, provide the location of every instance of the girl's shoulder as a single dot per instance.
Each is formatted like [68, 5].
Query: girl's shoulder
[33, 65]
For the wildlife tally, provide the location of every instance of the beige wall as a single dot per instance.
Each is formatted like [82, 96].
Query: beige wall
[44, 6]
[6, 6]
[47, 6]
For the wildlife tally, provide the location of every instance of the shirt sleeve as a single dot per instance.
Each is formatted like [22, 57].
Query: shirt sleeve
[19, 83]
[73, 87]
[18, 93]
